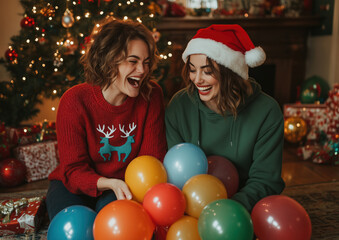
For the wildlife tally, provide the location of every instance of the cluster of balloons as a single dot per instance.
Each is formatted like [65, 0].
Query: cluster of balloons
[186, 197]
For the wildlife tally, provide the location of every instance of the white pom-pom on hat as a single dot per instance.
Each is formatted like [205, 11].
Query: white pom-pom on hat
[228, 45]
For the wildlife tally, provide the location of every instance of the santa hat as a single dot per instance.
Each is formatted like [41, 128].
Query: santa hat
[228, 45]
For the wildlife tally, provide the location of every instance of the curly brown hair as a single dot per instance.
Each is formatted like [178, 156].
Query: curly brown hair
[233, 88]
[108, 48]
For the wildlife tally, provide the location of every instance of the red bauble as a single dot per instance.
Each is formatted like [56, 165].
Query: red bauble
[12, 172]
[11, 55]
[27, 22]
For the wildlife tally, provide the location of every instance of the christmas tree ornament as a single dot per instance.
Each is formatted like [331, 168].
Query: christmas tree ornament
[12, 172]
[295, 129]
[11, 55]
[67, 19]
[48, 11]
[71, 44]
[27, 22]
[317, 84]
[309, 96]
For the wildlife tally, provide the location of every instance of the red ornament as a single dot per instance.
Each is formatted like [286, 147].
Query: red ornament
[11, 55]
[12, 172]
[27, 22]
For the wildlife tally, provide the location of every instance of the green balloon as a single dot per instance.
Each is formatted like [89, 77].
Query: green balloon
[225, 219]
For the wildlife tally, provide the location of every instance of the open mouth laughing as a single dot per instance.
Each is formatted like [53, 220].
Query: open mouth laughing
[204, 90]
[134, 81]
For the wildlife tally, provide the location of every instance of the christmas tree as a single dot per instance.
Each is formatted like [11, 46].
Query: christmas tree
[43, 60]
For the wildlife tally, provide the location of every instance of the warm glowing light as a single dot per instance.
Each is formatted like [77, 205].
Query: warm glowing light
[28, 41]
[141, 3]
[170, 55]
[23, 78]
[53, 108]
[78, 18]
[169, 43]
[55, 91]
[55, 69]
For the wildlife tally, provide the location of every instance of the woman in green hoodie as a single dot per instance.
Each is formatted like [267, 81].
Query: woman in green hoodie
[225, 113]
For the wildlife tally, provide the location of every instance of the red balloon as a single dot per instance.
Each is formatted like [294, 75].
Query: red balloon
[160, 232]
[165, 203]
[224, 169]
[12, 172]
[280, 217]
[123, 220]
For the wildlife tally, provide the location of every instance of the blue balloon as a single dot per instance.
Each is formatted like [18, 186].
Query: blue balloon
[184, 161]
[74, 222]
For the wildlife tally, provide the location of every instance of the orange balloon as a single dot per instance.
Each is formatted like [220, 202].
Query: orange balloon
[123, 220]
[186, 228]
[200, 190]
[142, 173]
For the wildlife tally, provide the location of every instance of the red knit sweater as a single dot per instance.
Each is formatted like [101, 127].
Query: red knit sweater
[92, 135]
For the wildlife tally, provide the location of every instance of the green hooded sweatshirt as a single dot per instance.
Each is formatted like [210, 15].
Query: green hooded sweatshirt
[253, 141]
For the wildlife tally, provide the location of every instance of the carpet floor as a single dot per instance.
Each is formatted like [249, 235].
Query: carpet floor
[321, 201]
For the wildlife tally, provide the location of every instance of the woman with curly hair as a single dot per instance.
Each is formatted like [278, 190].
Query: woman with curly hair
[106, 122]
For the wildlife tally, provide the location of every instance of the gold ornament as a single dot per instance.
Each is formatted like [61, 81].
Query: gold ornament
[48, 11]
[295, 128]
[67, 19]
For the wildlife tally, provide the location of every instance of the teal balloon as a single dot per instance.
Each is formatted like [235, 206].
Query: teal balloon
[316, 83]
[309, 96]
[72, 223]
[225, 219]
[184, 161]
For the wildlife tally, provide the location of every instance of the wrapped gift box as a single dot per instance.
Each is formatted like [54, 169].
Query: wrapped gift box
[313, 114]
[23, 215]
[40, 159]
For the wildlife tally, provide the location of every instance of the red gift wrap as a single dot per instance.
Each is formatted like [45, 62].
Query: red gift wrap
[23, 215]
[40, 159]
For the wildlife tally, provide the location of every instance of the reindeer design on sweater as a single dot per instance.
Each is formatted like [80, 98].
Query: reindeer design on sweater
[123, 149]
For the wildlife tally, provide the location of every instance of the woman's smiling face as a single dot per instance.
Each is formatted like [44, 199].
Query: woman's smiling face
[134, 69]
[204, 80]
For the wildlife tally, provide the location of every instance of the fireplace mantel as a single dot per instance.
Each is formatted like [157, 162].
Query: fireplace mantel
[284, 40]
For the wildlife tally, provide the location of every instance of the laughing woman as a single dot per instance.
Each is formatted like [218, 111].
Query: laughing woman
[103, 124]
[225, 112]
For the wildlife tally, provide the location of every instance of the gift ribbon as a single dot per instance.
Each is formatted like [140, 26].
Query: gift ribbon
[7, 207]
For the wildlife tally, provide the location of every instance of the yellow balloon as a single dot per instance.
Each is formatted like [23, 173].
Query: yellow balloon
[200, 190]
[295, 128]
[186, 228]
[142, 173]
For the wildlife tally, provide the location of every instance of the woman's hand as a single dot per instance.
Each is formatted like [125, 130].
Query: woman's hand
[119, 187]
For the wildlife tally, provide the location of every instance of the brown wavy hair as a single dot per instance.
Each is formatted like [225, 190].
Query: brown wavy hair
[108, 48]
[233, 88]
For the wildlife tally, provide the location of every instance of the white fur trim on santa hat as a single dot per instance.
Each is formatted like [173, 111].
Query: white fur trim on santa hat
[255, 57]
[220, 53]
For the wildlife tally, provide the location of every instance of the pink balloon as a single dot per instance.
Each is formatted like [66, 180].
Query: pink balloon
[224, 169]
[280, 217]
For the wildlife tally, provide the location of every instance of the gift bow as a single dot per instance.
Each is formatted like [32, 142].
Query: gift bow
[7, 207]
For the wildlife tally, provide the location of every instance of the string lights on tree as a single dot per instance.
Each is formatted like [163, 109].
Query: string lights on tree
[43, 59]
